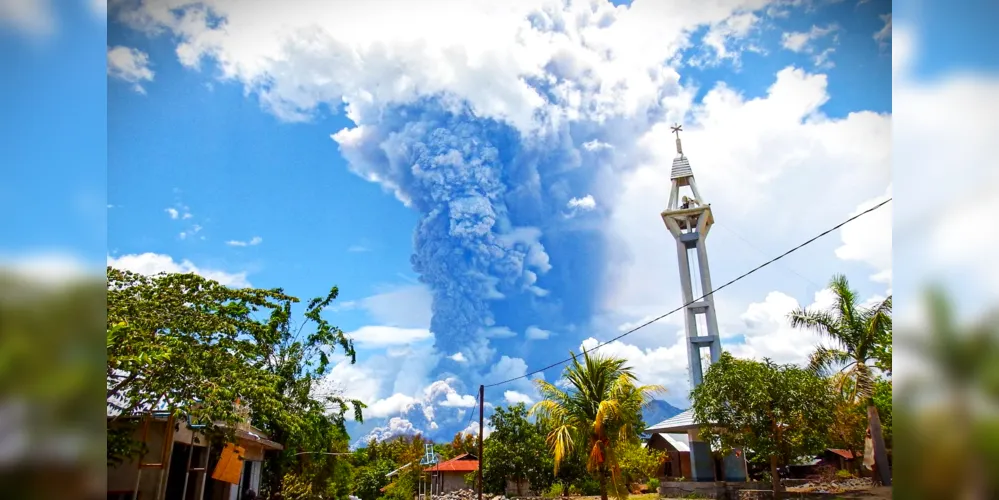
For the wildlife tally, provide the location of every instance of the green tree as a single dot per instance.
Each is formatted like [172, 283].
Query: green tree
[859, 336]
[196, 347]
[638, 463]
[782, 412]
[516, 451]
[597, 412]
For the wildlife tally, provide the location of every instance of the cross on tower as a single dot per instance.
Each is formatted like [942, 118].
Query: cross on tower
[676, 130]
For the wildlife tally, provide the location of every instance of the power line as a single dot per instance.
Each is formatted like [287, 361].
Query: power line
[712, 292]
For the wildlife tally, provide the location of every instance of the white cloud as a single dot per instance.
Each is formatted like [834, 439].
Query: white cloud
[473, 429]
[757, 161]
[585, 203]
[384, 336]
[868, 239]
[407, 306]
[723, 35]
[99, 8]
[800, 41]
[458, 357]
[358, 249]
[256, 240]
[152, 263]
[31, 17]
[130, 65]
[392, 405]
[369, 56]
[535, 333]
[174, 214]
[514, 397]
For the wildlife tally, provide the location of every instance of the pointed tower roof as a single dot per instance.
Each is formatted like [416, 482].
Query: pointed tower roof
[681, 167]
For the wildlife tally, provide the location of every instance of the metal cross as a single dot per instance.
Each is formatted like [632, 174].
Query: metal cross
[676, 130]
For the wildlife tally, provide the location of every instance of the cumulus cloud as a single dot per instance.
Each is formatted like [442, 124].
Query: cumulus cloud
[752, 158]
[535, 333]
[868, 239]
[256, 240]
[150, 263]
[458, 357]
[130, 65]
[514, 397]
[384, 336]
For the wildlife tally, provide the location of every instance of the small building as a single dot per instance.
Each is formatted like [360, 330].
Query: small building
[179, 462]
[677, 450]
[450, 475]
[731, 468]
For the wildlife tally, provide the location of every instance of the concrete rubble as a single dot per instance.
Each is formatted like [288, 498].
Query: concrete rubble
[467, 495]
[837, 486]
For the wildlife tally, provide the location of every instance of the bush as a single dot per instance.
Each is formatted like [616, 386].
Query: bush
[654, 485]
[574, 491]
[843, 474]
[555, 491]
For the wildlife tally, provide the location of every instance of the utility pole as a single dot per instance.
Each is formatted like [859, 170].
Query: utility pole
[482, 392]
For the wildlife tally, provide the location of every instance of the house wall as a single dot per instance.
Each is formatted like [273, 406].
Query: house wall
[122, 478]
[453, 481]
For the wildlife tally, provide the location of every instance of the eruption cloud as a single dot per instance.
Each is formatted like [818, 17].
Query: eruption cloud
[491, 204]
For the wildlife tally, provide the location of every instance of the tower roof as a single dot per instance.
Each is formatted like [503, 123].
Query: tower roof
[681, 167]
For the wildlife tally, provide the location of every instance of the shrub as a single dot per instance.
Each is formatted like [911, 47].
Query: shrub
[555, 491]
[574, 491]
[843, 474]
[654, 485]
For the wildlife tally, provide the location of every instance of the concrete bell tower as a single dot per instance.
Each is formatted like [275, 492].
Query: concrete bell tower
[689, 220]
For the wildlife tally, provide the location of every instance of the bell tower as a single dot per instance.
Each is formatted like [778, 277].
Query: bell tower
[688, 218]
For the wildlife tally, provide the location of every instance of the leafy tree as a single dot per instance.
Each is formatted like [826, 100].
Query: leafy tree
[598, 412]
[370, 479]
[196, 347]
[638, 463]
[782, 412]
[860, 336]
[516, 451]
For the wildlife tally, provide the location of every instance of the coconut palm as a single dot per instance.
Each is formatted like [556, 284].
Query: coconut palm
[858, 335]
[598, 411]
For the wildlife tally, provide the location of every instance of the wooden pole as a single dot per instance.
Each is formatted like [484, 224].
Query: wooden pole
[482, 391]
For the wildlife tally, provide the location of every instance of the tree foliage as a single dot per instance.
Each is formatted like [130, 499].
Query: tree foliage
[596, 413]
[195, 347]
[781, 412]
[639, 463]
[861, 338]
[516, 451]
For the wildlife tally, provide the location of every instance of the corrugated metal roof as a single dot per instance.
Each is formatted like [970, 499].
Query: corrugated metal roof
[676, 442]
[676, 425]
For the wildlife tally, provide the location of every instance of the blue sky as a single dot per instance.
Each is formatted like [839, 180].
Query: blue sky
[211, 168]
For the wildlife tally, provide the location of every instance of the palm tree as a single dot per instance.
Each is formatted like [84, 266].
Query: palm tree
[858, 335]
[597, 412]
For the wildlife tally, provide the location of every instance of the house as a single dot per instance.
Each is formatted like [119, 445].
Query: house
[179, 461]
[450, 475]
[677, 450]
